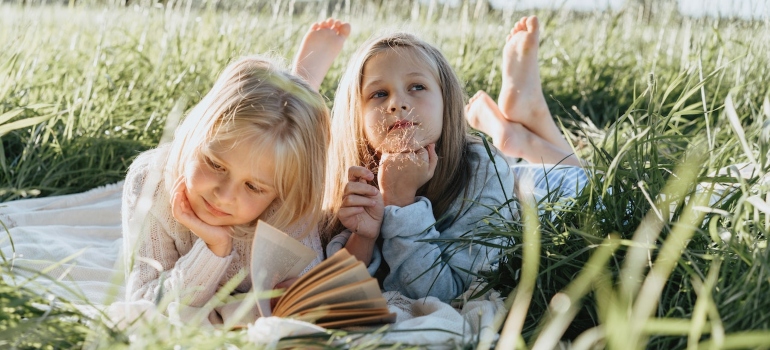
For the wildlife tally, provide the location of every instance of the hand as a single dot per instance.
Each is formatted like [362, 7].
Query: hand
[281, 285]
[362, 206]
[217, 238]
[402, 174]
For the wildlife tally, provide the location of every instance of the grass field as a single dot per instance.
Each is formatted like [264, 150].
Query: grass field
[657, 102]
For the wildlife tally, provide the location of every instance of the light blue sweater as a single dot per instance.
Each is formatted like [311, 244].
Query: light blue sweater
[418, 268]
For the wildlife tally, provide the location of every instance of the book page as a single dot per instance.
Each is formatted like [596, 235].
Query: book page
[337, 262]
[338, 257]
[321, 315]
[348, 275]
[275, 257]
[368, 289]
[388, 318]
[340, 308]
[375, 303]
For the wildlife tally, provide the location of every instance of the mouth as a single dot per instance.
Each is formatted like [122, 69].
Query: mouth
[214, 210]
[401, 124]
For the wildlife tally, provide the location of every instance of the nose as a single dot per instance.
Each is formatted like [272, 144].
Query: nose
[225, 191]
[397, 102]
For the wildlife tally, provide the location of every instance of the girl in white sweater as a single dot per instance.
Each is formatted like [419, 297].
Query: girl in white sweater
[253, 148]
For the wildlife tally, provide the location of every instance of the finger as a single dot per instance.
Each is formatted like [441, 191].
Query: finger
[361, 189]
[180, 185]
[349, 216]
[395, 158]
[286, 283]
[421, 156]
[360, 174]
[357, 201]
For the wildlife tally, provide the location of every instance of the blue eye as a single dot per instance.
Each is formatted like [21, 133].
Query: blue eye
[378, 94]
[418, 87]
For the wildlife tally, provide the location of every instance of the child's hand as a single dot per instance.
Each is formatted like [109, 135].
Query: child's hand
[217, 238]
[362, 207]
[282, 285]
[402, 174]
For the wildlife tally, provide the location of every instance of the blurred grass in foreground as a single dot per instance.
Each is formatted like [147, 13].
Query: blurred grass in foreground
[85, 89]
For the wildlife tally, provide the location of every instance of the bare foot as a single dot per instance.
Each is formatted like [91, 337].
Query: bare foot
[521, 96]
[320, 46]
[511, 138]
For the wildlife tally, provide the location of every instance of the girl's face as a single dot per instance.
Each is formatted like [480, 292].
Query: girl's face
[230, 187]
[402, 103]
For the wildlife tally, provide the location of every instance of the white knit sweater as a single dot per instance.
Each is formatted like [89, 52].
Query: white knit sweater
[154, 239]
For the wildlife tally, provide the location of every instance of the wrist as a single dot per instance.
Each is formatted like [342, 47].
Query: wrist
[361, 247]
[398, 199]
[221, 250]
[363, 240]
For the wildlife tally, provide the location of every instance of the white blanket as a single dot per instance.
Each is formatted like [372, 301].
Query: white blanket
[75, 240]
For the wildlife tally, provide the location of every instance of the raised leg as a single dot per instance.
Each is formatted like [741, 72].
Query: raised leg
[521, 96]
[320, 46]
[512, 138]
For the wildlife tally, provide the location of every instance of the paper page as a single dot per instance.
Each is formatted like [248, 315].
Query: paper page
[275, 257]
[305, 288]
[338, 257]
[334, 263]
[326, 315]
[375, 303]
[389, 318]
[349, 275]
[363, 290]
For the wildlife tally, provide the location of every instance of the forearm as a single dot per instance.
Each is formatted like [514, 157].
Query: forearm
[193, 277]
[418, 269]
[361, 248]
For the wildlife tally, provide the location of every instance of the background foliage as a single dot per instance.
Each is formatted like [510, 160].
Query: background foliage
[645, 93]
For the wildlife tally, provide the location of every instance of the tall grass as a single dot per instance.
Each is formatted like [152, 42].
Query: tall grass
[84, 89]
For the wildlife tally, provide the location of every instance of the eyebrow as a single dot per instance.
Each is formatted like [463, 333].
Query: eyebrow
[377, 81]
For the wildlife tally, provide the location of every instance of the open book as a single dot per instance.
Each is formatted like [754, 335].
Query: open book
[338, 292]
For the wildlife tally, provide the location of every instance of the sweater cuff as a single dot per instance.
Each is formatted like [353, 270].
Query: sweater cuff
[201, 268]
[416, 215]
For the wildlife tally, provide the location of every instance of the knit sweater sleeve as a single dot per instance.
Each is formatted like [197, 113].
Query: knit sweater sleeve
[162, 256]
[418, 250]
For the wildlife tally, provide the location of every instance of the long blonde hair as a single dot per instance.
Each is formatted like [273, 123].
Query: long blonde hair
[349, 146]
[255, 100]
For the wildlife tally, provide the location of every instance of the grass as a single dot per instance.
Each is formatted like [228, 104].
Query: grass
[657, 102]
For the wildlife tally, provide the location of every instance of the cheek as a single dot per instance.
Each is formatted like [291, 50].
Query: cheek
[374, 128]
[195, 177]
[433, 133]
[257, 206]
[437, 121]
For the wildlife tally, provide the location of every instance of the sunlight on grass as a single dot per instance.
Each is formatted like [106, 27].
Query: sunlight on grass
[666, 248]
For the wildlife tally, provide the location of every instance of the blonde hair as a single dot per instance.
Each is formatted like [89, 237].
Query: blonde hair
[255, 100]
[350, 147]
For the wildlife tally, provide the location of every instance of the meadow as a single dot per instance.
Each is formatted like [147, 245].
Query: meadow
[653, 254]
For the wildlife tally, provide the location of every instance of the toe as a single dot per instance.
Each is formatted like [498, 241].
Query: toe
[532, 24]
[344, 29]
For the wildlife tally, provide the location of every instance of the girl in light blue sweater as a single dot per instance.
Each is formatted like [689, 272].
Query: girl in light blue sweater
[405, 177]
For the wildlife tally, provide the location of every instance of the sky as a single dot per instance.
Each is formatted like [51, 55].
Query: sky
[757, 9]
